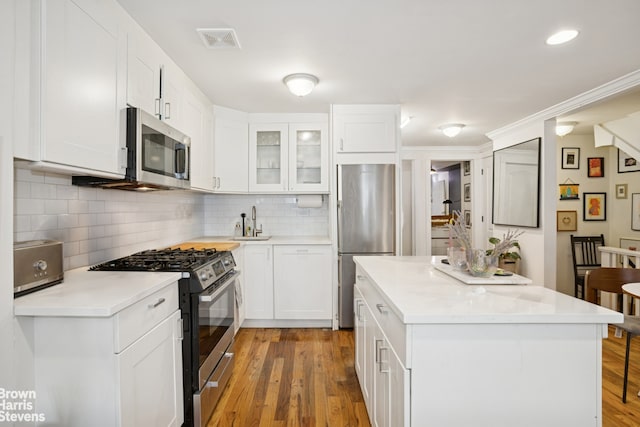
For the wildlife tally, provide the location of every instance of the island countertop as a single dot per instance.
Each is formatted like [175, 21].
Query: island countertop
[419, 294]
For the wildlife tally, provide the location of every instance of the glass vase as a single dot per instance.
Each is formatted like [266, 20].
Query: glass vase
[480, 264]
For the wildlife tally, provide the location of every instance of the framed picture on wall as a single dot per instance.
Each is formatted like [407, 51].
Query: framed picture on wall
[567, 220]
[626, 163]
[635, 211]
[595, 167]
[466, 166]
[467, 192]
[570, 158]
[621, 191]
[467, 218]
[595, 207]
[569, 191]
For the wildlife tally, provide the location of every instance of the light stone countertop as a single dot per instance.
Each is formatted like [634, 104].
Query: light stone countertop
[273, 240]
[420, 294]
[85, 293]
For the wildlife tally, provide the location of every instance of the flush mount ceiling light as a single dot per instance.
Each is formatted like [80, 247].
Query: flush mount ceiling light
[564, 128]
[562, 37]
[405, 121]
[451, 129]
[300, 84]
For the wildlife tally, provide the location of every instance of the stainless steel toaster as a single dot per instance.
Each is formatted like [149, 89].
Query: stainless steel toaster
[36, 264]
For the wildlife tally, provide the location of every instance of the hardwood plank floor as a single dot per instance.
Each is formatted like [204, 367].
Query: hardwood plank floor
[306, 377]
[292, 377]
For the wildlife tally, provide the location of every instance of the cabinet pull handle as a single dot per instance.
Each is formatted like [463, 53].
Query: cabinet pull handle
[180, 329]
[218, 182]
[160, 301]
[377, 355]
[157, 107]
[167, 110]
[358, 313]
[382, 308]
[383, 371]
[341, 144]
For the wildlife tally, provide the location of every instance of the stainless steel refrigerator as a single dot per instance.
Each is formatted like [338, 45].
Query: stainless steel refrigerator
[366, 224]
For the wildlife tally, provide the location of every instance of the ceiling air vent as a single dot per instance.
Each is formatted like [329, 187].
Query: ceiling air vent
[219, 38]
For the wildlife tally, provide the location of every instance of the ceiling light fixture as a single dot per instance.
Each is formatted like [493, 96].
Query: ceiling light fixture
[564, 128]
[300, 84]
[451, 129]
[404, 122]
[562, 37]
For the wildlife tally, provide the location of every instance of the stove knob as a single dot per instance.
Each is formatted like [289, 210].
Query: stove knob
[204, 276]
[40, 265]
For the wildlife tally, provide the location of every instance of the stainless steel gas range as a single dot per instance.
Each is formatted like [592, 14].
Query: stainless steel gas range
[207, 299]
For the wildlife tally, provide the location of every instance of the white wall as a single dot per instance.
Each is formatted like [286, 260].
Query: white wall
[96, 224]
[618, 211]
[537, 263]
[278, 214]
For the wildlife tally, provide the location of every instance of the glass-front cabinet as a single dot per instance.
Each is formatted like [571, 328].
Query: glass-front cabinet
[308, 157]
[268, 157]
[288, 157]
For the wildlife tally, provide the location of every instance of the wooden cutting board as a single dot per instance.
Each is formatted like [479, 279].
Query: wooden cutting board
[218, 246]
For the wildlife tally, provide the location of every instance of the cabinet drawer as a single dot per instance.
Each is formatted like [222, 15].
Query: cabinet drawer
[390, 324]
[139, 318]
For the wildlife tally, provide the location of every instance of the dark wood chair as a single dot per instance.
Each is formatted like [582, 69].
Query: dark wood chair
[611, 280]
[586, 256]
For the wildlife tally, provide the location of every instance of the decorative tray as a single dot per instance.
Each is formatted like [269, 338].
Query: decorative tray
[468, 279]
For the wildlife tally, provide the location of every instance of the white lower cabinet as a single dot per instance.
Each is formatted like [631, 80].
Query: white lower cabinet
[123, 370]
[258, 281]
[287, 283]
[302, 282]
[384, 381]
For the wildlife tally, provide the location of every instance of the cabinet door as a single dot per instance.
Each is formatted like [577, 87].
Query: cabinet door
[302, 282]
[198, 126]
[172, 94]
[151, 377]
[308, 157]
[258, 281]
[399, 388]
[360, 330]
[268, 157]
[380, 379]
[231, 153]
[143, 71]
[365, 133]
[80, 86]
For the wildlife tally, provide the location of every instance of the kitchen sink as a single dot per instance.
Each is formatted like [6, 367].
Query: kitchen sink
[252, 238]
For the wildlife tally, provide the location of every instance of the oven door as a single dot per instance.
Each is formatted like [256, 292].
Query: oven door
[216, 325]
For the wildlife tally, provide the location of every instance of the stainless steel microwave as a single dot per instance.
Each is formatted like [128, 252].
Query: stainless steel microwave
[158, 156]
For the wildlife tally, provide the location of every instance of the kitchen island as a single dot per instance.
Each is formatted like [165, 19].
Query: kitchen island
[431, 350]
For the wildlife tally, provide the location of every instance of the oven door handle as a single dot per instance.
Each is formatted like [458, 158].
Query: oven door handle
[214, 293]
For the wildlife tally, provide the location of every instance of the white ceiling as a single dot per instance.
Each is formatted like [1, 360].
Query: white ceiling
[482, 63]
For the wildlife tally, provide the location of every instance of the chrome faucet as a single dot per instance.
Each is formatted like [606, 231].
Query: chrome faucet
[254, 229]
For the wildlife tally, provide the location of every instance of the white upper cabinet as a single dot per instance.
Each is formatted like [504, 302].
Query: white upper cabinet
[268, 157]
[198, 124]
[365, 128]
[231, 151]
[288, 154]
[80, 103]
[308, 157]
[154, 82]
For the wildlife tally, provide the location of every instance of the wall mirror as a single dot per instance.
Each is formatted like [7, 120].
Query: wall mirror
[516, 185]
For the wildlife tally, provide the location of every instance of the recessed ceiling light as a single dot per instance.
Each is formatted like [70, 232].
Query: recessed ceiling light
[562, 37]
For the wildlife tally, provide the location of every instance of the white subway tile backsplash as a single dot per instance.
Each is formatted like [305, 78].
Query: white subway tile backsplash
[97, 225]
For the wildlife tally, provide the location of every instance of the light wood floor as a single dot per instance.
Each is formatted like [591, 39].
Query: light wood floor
[305, 377]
